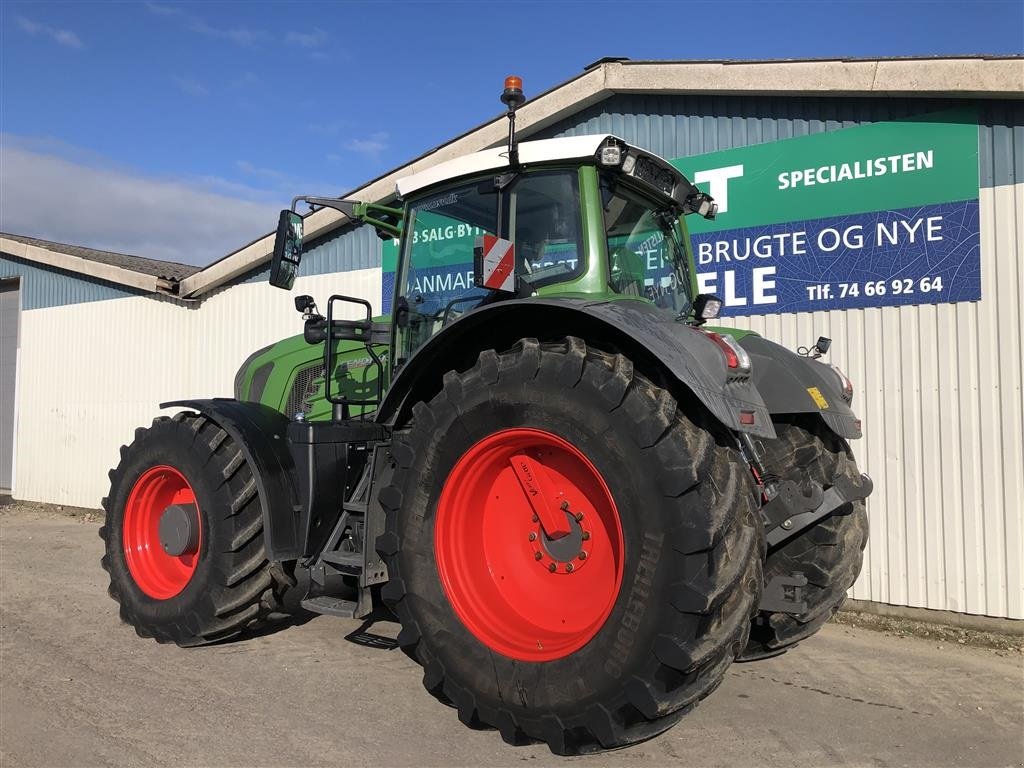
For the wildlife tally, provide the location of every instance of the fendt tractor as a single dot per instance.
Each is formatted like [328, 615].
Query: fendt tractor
[581, 502]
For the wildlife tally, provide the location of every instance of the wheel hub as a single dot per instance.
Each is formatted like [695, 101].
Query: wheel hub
[564, 555]
[179, 529]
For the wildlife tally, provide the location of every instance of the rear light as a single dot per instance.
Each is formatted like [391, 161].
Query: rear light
[736, 357]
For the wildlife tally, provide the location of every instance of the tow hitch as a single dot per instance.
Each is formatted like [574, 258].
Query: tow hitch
[791, 510]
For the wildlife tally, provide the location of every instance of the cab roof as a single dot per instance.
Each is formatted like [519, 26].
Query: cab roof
[496, 158]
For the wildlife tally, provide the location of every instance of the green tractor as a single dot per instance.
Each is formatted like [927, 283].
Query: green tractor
[581, 502]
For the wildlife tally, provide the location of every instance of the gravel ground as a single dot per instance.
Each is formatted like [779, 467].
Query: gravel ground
[78, 688]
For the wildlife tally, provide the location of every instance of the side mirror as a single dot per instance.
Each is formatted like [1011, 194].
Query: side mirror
[287, 250]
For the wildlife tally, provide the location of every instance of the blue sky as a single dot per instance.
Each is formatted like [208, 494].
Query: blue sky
[175, 130]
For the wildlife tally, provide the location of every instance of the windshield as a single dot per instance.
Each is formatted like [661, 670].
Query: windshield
[645, 254]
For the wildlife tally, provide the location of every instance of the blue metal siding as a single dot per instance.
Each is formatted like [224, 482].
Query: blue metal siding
[343, 250]
[1001, 143]
[679, 126]
[49, 287]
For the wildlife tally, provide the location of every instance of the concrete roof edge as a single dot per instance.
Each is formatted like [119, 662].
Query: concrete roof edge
[956, 76]
[106, 272]
[984, 76]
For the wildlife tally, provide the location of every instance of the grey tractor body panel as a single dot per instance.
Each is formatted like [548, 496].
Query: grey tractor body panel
[261, 433]
[785, 379]
[650, 336]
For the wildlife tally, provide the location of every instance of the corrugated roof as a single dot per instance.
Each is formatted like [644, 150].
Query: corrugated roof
[168, 270]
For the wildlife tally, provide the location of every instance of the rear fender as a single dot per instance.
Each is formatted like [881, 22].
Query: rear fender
[261, 432]
[668, 351]
[792, 384]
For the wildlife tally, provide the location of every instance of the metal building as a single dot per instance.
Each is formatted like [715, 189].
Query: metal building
[938, 377]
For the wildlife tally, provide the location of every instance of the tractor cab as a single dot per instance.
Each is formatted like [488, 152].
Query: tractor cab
[582, 216]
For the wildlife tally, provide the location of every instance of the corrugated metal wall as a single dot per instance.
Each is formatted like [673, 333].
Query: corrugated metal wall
[49, 287]
[939, 390]
[938, 386]
[90, 373]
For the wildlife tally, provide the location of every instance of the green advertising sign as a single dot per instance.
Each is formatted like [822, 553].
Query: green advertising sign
[921, 161]
[874, 215]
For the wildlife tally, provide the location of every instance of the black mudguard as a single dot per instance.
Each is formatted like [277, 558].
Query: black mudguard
[260, 432]
[647, 334]
[786, 380]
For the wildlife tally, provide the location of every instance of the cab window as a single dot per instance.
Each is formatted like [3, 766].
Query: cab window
[644, 254]
[436, 286]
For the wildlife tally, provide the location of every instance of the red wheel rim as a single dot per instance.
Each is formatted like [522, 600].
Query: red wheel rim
[517, 592]
[158, 574]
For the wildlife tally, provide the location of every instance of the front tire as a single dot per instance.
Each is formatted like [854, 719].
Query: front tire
[219, 581]
[829, 554]
[619, 648]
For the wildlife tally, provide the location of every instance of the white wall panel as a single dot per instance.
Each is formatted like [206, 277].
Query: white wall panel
[939, 391]
[91, 373]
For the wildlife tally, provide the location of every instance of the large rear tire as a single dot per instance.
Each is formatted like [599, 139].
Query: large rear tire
[581, 653]
[829, 554]
[218, 581]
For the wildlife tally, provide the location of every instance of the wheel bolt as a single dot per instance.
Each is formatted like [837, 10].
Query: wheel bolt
[564, 506]
[586, 535]
[533, 536]
[537, 555]
[583, 555]
[535, 518]
[579, 516]
[568, 567]
[551, 567]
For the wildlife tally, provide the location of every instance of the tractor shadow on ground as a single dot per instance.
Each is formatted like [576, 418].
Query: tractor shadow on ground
[368, 639]
[276, 622]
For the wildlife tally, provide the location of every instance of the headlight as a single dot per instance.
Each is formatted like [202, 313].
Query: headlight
[611, 153]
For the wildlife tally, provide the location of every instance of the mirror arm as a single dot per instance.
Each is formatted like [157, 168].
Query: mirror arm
[347, 207]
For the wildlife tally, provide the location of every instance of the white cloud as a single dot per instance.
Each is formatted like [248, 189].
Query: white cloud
[238, 35]
[162, 10]
[190, 86]
[64, 37]
[285, 183]
[194, 221]
[372, 146]
[314, 39]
